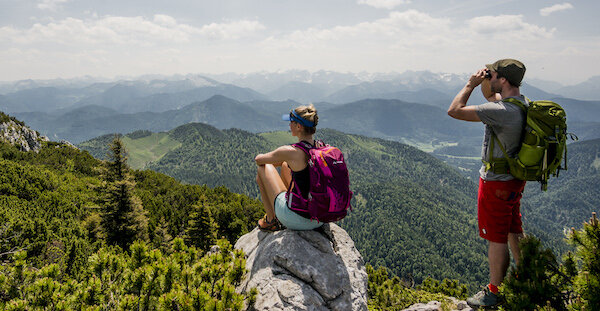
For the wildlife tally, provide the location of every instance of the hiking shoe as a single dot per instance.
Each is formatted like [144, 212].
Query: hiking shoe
[272, 225]
[484, 299]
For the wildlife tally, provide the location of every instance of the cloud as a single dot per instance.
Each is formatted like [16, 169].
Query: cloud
[231, 30]
[409, 26]
[126, 31]
[555, 8]
[383, 4]
[508, 27]
[401, 40]
[413, 30]
[50, 4]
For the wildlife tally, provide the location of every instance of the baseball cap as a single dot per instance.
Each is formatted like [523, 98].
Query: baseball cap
[512, 69]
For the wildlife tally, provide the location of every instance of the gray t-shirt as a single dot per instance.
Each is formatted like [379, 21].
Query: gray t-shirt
[506, 120]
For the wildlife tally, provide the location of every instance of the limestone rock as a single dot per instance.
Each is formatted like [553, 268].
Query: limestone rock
[431, 306]
[459, 305]
[304, 270]
[21, 136]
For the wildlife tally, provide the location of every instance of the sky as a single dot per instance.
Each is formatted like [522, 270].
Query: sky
[45, 39]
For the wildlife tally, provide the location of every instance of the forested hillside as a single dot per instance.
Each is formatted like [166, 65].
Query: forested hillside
[68, 223]
[406, 202]
[78, 233]
[405, 199]
[573, 196]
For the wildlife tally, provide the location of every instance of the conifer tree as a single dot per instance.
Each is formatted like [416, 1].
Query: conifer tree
[201, 231]
[76, 259]
[537, 281]
[162, 239]
[587, 281]
[123, 219]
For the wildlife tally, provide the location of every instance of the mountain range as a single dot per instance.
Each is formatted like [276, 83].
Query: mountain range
[418, 124]
[408, 107]
[302, 86]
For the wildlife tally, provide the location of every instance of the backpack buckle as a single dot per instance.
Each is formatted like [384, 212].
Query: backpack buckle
[488, 165]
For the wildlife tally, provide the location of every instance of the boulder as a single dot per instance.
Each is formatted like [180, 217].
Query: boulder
[304, 270]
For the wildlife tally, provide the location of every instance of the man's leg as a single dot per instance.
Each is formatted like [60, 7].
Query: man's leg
[498, 257]
[498, 260]
[513, 242]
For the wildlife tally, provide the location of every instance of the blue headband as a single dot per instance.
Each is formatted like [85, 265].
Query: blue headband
[293, 116]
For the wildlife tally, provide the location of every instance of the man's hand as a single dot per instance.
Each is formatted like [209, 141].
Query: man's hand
[477, 78]
[458, 108]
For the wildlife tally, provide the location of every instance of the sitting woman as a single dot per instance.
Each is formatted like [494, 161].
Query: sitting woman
[293, 162]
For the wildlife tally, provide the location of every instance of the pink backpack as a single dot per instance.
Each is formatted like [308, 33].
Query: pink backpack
[329, 192]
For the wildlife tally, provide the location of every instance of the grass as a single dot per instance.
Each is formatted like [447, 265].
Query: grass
[279, 138]
[148, 149]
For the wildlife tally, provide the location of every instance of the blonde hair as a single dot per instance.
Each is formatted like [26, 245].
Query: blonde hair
[308, 113]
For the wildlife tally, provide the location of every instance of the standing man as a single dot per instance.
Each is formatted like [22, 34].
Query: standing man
[498, 199]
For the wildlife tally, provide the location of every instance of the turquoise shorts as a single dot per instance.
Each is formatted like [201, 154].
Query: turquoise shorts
[290, 219]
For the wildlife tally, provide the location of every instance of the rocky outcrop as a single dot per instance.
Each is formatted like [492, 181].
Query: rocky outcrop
[21, 136]
[304, 270]
[437, 306]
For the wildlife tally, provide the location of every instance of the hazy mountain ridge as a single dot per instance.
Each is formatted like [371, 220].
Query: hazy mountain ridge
[303, 86]
[392, 119]
[587, 90]
[398, 120]
[161, 103]
[218, 110]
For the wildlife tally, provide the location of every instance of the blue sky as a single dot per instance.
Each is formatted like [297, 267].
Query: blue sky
[42, 39]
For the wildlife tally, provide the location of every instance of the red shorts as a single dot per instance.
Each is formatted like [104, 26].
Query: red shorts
[498, 209]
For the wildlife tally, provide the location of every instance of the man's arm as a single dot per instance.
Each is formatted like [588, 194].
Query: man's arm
[458, 108]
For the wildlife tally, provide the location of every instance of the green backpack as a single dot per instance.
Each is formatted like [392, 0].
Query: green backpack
[543, 144]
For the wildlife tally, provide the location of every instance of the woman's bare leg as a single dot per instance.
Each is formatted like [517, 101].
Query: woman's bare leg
[264, 198]
[270, 185]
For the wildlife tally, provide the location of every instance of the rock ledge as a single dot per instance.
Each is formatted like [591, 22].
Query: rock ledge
[304, 270]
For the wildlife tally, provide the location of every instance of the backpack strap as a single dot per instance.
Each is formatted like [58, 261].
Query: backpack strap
[500, 165]
[517, 102]
[496, 165]
[306, 147]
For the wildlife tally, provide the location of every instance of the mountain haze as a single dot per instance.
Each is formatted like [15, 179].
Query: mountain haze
[217, 110]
